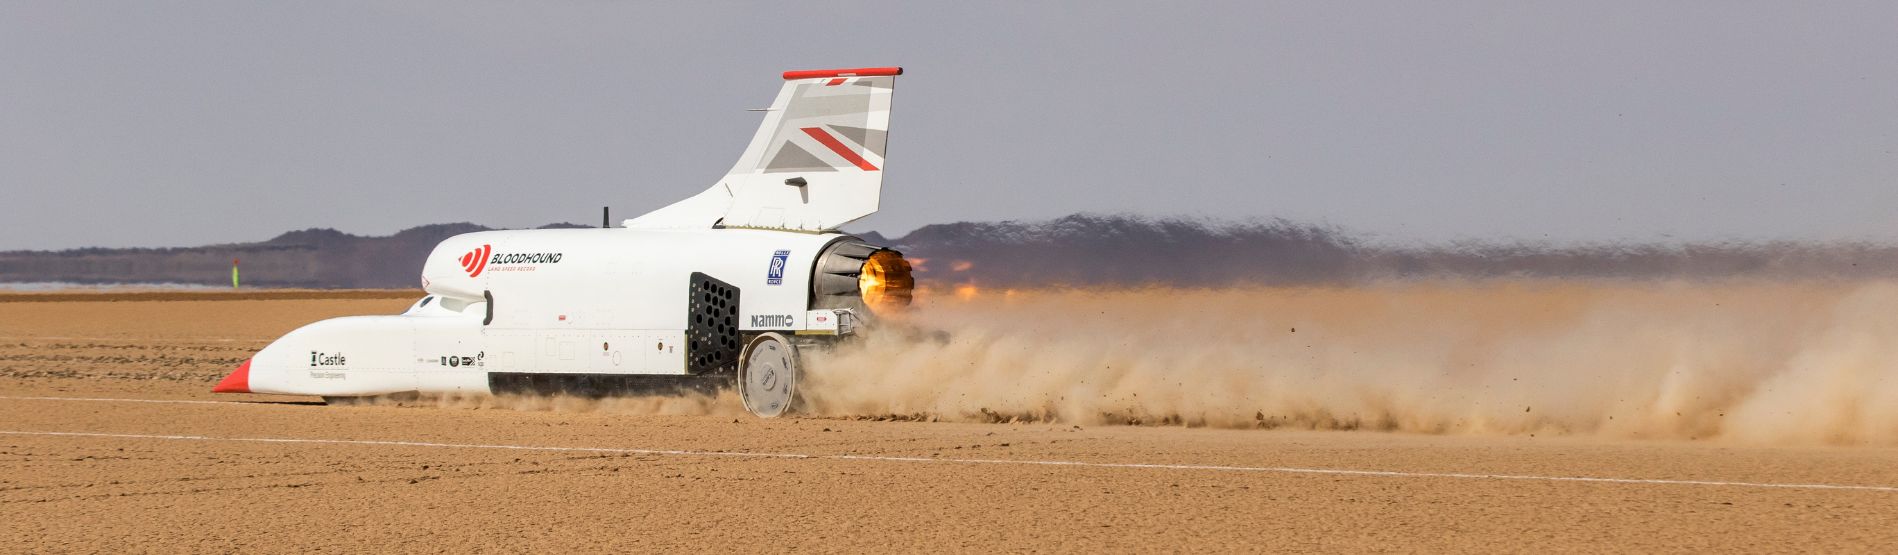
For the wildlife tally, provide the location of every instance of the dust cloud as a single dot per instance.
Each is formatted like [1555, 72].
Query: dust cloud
[1745, 361]
[724, 403]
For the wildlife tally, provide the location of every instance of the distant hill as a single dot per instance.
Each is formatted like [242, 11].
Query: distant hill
[1088, 249]
[311, 258]
[1082, 249]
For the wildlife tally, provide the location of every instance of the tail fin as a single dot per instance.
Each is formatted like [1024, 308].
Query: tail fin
[815, 164]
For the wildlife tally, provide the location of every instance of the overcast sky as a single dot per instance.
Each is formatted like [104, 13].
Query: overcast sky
[186, 123]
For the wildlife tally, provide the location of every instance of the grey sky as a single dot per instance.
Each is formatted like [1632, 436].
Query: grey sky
[184, 123]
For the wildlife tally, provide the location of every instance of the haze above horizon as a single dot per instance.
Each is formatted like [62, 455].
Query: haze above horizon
[213, 122]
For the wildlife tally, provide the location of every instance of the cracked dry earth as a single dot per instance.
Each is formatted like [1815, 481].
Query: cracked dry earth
[112, 443]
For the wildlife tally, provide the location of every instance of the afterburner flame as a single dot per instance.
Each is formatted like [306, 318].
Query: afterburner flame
[886, 282]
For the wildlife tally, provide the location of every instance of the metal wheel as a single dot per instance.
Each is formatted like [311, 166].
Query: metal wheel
[767, 375]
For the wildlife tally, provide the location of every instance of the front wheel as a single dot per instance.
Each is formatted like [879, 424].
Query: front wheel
[767, 375]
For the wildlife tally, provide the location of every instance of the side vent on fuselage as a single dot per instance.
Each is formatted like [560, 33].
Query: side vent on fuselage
[711, 327]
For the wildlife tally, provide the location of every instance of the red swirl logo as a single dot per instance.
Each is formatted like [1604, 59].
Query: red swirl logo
[476, 260]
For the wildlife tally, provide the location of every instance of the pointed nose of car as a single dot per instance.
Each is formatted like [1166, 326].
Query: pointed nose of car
[237, 382]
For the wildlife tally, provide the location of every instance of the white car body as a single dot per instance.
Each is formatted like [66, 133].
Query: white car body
[550, 310]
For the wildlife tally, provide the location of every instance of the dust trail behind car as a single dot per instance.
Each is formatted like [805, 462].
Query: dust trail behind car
[1751, 361]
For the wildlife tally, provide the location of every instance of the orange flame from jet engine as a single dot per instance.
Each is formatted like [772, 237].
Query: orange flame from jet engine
[886, 282]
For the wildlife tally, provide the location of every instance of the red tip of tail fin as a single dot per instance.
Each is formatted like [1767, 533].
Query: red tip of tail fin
[847, 72]
[237, 382]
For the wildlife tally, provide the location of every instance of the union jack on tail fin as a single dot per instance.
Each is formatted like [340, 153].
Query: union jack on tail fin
[815, 164]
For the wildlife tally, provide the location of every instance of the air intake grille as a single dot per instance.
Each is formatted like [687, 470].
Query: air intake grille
[711, 329]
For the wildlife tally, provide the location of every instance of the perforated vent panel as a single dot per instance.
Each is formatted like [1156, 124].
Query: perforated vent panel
[711, 329]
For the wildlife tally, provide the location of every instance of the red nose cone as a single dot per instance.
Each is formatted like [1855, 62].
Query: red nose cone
[237, 382]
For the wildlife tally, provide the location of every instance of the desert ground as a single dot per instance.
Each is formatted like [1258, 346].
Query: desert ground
[111, 441]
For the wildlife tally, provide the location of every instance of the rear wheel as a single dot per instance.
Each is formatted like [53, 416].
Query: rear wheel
[767, 375]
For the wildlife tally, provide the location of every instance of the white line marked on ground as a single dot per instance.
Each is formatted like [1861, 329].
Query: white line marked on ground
[131, 339]
[117, 400]
[1022, 462]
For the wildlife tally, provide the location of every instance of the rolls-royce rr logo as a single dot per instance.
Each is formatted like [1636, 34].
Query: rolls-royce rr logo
[775, 275]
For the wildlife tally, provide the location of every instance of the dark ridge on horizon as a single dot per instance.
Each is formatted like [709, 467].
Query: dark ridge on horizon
[317, 258]
[1076, 250]
[1121, 250]
[1087, 249]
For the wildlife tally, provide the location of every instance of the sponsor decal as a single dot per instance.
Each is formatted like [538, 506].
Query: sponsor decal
[526, 258]
[327, 359]
[477, 261]
[771, 320]
[453, 361]
[775, 275]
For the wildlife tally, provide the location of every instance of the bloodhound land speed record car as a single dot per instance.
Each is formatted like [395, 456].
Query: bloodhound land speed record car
[719, 290]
